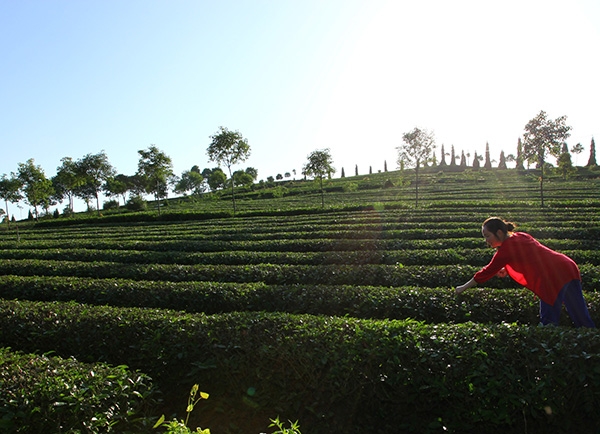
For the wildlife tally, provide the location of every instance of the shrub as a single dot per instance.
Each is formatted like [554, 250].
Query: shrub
[51, 394]
[136, 203]
[110, 204]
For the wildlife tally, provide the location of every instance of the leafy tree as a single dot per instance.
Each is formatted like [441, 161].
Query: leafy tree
[319, 164]
[592, 160]
[463, 160]
[95, 170]
[418, 145]
[243, 179]
[191, 180]
[228, 148]
[254, 173]
[67, 180]
[119, 185]
[216, 179]
[564, 163]
[36, 187]
[10, 192]
[577, 149]
[155, 171]
[544, 136]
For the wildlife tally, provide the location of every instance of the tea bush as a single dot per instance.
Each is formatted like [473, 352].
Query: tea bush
[49, 394]
[343, 374]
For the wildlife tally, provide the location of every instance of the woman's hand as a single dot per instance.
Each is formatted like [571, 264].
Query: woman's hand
[461, 288]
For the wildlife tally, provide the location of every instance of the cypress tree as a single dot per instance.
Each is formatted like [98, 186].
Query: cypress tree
[592, 160]
[488, 162]
[502, 163]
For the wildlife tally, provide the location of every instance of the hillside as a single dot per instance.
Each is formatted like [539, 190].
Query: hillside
[342, 316]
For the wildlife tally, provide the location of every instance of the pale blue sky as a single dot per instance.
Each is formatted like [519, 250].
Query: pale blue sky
[292, 76]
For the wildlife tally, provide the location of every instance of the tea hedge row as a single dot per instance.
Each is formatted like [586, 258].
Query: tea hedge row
[405, 257]
[274, 274]
[432, 305]
[355, 234]
[268, 227]
[44, 394]
[284, 245]
[241, 257]
[340, 374]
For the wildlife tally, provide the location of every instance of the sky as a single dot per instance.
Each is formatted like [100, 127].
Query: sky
[292, 76]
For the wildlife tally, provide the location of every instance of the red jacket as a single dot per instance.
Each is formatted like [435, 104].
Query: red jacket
[533, 265]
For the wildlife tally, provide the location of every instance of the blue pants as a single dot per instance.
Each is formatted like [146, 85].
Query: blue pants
[572, 297]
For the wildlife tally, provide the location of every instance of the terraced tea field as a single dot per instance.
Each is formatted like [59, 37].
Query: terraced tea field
[343, 318]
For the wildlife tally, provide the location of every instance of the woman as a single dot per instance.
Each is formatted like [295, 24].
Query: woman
[552, 276]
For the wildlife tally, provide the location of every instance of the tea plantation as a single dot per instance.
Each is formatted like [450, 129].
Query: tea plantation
[342, 317]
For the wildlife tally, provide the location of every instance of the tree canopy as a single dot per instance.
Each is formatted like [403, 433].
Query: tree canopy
[544, 136]
[319, 164]
[228, 148]
[417, 148]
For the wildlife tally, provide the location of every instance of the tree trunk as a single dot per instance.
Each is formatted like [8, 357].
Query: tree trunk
[542, 184]
[417, 185]
[232, 190]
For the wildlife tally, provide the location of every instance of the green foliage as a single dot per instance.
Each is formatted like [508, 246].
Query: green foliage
[136, 203]
[357, 372]
[52, 394]
[281, 429]
[181, 427]
[342, 316]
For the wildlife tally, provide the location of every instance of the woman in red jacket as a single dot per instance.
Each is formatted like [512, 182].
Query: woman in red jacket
[552, 276]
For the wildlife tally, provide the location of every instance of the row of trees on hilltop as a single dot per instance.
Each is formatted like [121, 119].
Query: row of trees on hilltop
[542, 137]
[93, 174]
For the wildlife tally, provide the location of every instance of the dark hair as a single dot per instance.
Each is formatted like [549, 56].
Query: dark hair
[495, 224]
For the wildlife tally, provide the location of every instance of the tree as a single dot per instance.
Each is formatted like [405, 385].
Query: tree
[228, 148]
[10, 192]
[443, 155]
[476, 160]
[119, 185]
[463, 159]
[544, 136]
[343, 174]
[95, 170]
[452, 156]
[191, 180]
[216, 179]
[519, 159]
[577, 149]
[155, 169]
[67, 180]
[502, 162]
[417, 147]
[36, 187]
[592, 160]
[564, 163]
[488, 162]
[244, 179]
[318, 165]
